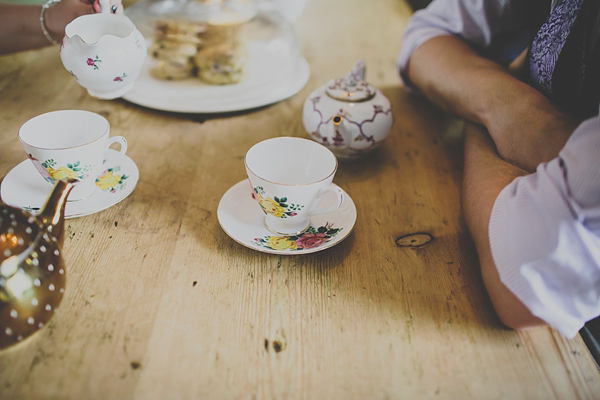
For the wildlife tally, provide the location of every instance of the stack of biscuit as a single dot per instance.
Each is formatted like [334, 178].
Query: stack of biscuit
[185, 49]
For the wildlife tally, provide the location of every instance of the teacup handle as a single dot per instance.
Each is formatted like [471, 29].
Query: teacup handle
[117, 139]
[321, 194]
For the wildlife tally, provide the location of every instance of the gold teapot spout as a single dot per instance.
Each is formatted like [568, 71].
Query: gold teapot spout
[52, 215]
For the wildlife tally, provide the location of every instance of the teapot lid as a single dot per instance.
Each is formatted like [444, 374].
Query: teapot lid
[352, 88]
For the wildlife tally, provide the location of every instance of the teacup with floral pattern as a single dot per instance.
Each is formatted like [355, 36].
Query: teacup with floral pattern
[69, 144]
[289, 178]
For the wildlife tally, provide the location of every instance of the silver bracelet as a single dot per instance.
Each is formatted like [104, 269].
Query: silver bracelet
[46, 6]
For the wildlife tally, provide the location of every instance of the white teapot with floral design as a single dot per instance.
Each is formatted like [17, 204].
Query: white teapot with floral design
[104, 52]
[348, 115]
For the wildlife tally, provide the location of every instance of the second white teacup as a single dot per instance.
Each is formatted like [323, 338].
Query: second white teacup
[290, 176]
[69, 144]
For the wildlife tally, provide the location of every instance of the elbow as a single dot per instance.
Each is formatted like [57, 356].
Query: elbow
[519, 319]
[510, 309]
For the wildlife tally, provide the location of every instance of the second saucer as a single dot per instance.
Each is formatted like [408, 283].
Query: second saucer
[242, 219]
[25, 188]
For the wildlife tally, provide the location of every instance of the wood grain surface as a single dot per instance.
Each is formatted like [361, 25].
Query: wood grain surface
[162, 304]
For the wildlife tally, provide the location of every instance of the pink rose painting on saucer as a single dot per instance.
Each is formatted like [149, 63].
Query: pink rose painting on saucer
[309, 239]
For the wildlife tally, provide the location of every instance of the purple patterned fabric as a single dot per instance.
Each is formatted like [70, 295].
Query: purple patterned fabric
[548, 43]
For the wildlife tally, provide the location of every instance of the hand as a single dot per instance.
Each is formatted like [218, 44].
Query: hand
[61, 14]
[531, 131]
[526, 127]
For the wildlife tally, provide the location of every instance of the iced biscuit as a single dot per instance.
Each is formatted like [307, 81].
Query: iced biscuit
[220, 65]
[167, 49]
[174, 68]
[180, 31]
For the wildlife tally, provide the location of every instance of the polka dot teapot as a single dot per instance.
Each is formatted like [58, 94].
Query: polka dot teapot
[32, 272]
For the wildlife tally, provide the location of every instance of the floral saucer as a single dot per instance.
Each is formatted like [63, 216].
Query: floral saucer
[243, 220]
[25, 188]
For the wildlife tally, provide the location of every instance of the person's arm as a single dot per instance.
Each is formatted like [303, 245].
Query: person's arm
[486, 174]
[537, 235]
[442, 56]
[525, 126]
[20, 27]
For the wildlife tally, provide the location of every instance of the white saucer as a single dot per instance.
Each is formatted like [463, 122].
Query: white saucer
[25, 188]
[243, 220]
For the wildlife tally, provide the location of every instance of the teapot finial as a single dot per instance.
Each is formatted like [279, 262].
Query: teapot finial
[52, 214]
[353, 87]
[356, 74]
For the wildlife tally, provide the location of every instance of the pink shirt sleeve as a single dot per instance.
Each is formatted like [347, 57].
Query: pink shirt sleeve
[485, 24]
[544, 234]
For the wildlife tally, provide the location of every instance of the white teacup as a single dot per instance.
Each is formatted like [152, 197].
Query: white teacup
[290, 176]
[69, 144]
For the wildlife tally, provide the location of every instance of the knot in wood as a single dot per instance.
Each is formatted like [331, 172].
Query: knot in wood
[414, 240]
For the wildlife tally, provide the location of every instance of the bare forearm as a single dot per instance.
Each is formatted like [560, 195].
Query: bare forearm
[441, 68]
[485, 177]
[20, 28]
[525, 126]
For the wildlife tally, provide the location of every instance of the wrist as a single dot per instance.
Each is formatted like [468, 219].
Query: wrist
[528, 129]
[51, 29]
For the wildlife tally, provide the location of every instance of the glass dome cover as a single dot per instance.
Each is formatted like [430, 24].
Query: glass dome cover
[215, 42]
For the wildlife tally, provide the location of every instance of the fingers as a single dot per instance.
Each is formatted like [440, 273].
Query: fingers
[115, 6]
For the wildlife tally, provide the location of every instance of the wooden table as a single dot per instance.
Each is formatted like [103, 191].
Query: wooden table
[162, 304]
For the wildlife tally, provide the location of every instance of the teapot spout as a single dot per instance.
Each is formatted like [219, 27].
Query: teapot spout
[340, 135]
[53, 212]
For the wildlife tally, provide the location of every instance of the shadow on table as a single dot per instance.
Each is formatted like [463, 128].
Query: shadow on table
[415, 120]
[422, 162]
[327, 259]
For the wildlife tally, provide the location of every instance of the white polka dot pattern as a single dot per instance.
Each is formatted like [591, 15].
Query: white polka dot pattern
[35, 286]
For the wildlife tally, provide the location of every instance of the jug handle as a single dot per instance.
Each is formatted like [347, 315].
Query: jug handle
[105, 7]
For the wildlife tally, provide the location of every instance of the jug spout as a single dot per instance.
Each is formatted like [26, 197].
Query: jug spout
[53, 212]
[80, 46]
